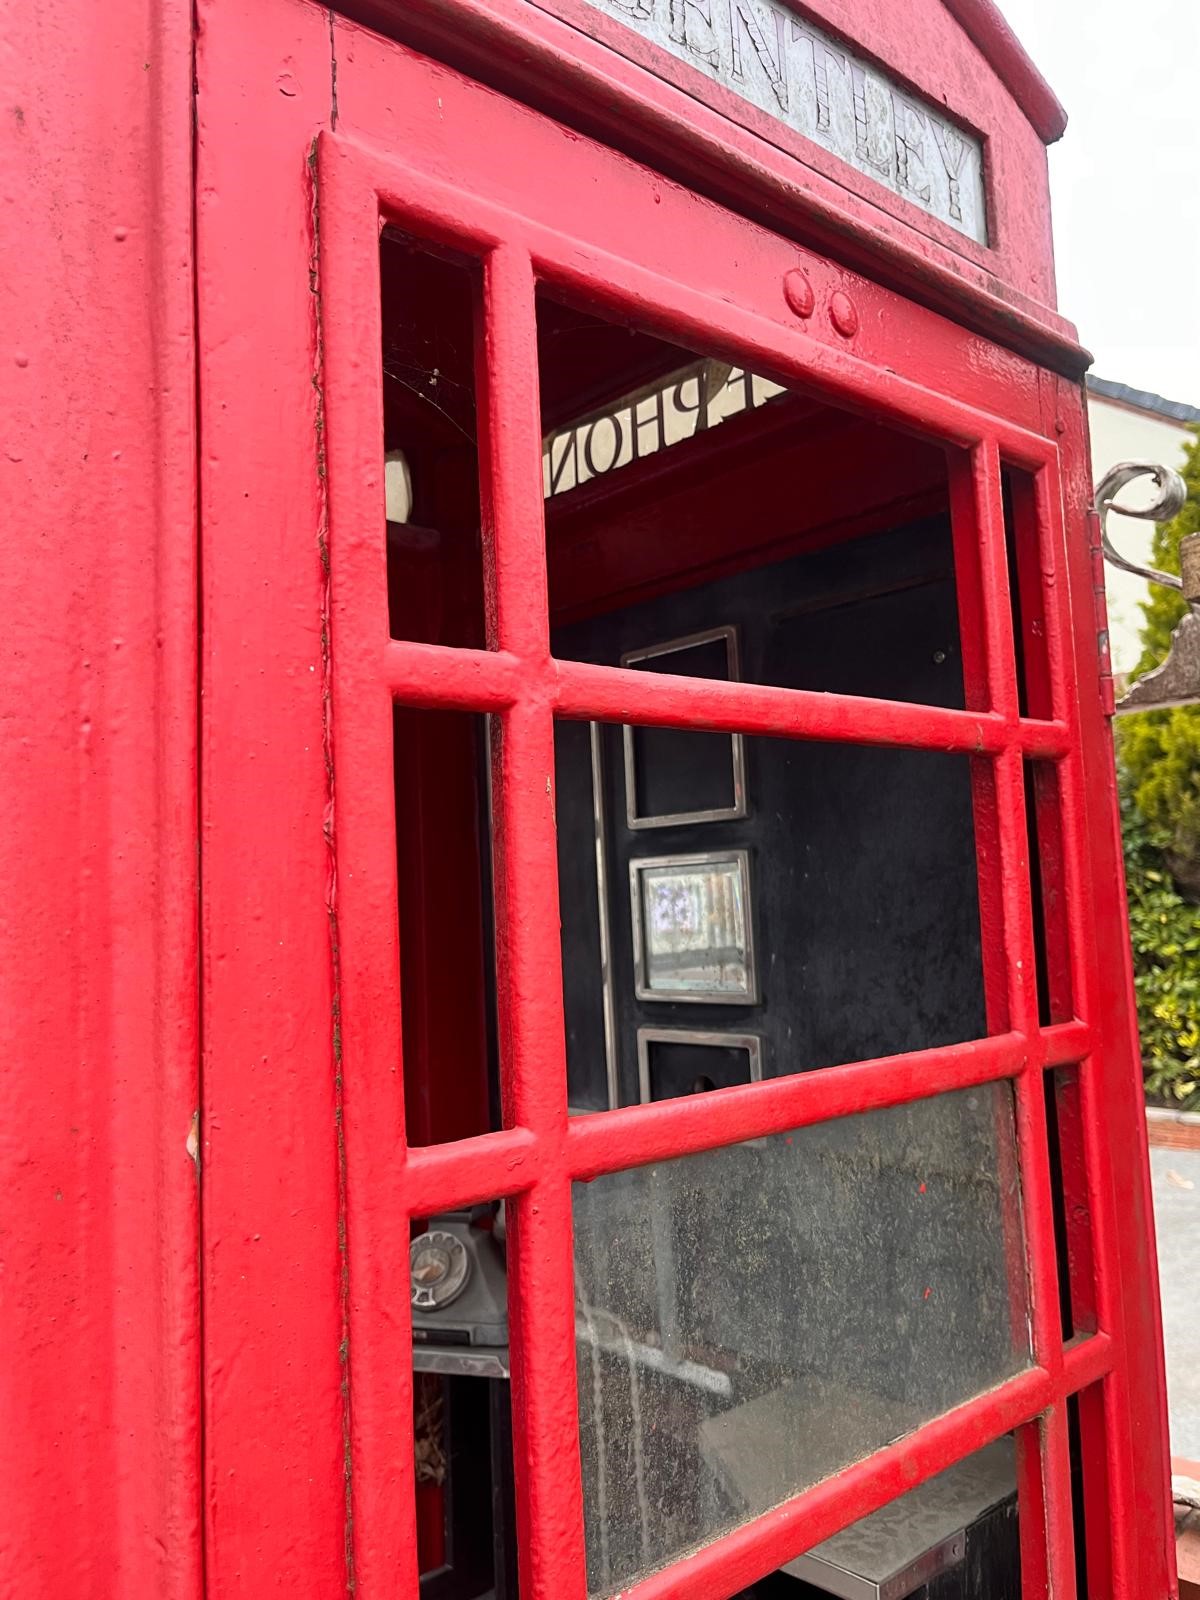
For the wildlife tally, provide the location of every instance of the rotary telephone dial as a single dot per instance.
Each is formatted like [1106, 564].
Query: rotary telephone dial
[458, 1279]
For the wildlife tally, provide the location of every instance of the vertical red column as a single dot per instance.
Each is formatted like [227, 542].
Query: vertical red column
[273, 1307]
[1123, 1422]
[528, 952]
[377, 1333]
[100, 1388]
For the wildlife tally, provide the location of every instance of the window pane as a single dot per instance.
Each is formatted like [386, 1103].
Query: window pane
[754, 1318]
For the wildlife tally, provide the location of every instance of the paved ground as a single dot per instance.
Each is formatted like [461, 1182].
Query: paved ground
[1176, 1180]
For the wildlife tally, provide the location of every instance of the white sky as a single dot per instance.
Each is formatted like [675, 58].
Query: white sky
[1125, 180]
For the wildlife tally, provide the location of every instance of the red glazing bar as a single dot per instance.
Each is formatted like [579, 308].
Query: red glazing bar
[1033, 560]
[1045, 782]
[449, 1177]
[1076, 1204]
[997, 615]
[588, 692]
[1031, 1498]
[366, 1024]
[1047, 1535]
[528, 959]
[1059, 1041]
[1072, 815]
[612, 1140]
[437, 677]
[1044, 1476]
[1093, 1452]
[1042, 741]
[609, 694]
[759, 1547]
[977, 698]
[1056, 1491]
[1086, 1361]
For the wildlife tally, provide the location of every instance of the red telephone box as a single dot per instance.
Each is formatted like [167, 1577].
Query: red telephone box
[660, 1011]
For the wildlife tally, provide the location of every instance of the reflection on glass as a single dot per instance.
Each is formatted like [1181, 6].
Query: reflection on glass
[967, 1513]
[692, 927]
[752, 1319]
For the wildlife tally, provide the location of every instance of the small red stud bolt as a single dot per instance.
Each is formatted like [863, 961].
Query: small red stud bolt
[843, 314]
[798, 292]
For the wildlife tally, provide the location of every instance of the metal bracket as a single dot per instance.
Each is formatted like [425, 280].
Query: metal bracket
[1169, 504]
[1177, 681]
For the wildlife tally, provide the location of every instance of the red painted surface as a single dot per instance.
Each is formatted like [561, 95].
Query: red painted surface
[309, 131]
[99, 1296]
[275, 1416]
[984, 23]
[573, 61]
[651, 253]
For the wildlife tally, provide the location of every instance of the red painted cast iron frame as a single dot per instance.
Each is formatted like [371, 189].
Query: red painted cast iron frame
[651, 253]
[100, 1417]
[570, 58]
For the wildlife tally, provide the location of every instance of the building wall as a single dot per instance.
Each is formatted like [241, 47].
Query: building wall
[1122, 433]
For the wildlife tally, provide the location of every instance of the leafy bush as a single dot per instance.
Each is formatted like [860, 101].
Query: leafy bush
[1165, 930]
[1158, 755]
[1160, 750]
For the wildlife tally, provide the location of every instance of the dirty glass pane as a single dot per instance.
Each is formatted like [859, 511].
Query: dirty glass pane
[752, 1319]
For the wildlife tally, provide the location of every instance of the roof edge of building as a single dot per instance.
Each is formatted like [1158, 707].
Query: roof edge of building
[1143, 400]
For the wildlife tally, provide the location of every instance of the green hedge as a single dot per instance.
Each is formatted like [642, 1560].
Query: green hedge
[1165, 930]
[1158, 764]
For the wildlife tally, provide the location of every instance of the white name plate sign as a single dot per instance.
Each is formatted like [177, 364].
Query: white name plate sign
[809, 81]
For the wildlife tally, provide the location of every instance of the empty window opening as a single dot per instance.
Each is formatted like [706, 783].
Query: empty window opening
[462, 1414]
[836, 920]
[1047, 868]
[431, 470]
[447, 961]
[687, 481]
[1023, 540]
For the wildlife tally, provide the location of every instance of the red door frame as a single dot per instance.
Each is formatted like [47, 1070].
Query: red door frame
[100, 1440]
[308, 1183]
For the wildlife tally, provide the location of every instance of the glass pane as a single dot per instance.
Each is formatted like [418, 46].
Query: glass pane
[752, 1319]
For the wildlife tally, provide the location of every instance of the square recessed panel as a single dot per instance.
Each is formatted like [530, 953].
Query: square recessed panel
[675, 776]
[679, 1061]
[692, 937]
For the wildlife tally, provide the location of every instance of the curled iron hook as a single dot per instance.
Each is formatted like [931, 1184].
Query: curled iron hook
[1170, 501]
